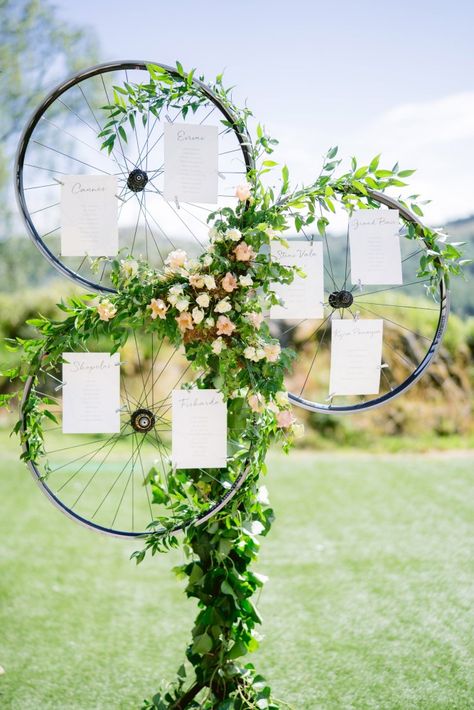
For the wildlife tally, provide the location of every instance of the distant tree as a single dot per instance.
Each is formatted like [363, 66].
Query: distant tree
[37, 49]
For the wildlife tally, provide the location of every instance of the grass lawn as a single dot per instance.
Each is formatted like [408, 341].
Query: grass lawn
[369, 604]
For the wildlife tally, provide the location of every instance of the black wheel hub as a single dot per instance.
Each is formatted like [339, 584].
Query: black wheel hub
[142, 420]
[341, 299]
[137, 180]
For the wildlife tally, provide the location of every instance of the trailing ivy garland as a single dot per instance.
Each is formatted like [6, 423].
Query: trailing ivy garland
[214, 306]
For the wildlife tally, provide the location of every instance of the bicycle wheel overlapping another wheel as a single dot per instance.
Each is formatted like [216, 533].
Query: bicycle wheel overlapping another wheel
[414, 320]
[62, 138]
[118, 483]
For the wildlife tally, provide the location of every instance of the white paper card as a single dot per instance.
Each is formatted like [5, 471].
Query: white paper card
[190, 163]
[199, 429]
[356, 356]
[375, 247]
[91, 393]
[89, 216]
[304, 297]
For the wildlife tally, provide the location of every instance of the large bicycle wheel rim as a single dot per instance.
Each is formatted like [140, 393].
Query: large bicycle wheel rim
[84, 475]
[239, 156]
[413, 369]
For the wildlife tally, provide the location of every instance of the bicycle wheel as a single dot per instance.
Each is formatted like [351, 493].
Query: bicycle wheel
[413, 321]
[62, 138]
[117, 483]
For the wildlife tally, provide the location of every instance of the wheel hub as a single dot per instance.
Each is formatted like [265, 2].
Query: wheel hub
[341, 299]
[137, 180]
[142, 420]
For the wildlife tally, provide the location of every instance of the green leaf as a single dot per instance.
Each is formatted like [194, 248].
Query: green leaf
[202, 644]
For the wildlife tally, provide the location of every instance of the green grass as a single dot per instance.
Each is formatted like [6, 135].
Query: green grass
[369, 604]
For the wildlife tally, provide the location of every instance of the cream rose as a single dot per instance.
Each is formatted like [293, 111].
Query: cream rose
[218, 346]
[196, 280]
[106, 310]
[129, 268]
[255, 319]
[272, 351]
[209, 282]
[176, 259]
[223, 306]
[245, 280]
[198, 315]
[243, 192]
[235, 235]
[182, 304]
[203, 300]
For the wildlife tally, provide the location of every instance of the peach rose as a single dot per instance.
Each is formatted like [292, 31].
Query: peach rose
[158, 308]
[185, 321]
[106, 310]
[229, 282]
[242, 192]
[243, 252]
[285, 418]
[225, 326]
[272, 351]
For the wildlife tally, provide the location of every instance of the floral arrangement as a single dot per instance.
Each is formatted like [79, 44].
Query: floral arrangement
[215, 306]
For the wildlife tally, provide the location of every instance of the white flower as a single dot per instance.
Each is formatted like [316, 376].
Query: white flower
[281, 398]
[250, 353]
[297, 430]
[272, 351]
[245, 280]
[210, 322]
[176, 259]
[196, 280]
[207, 259]
[203, 300]
[255, 319]
[182, 304]
[235, 235]
[262, 496]
[198, 315]
[129, 268]
[214, 234]
[218, 346]
[223, 306]
[259, 353]
[174, 293]
[209, 282]
[106, 310]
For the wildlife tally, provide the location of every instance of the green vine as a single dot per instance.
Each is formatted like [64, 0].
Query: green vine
[214, 308]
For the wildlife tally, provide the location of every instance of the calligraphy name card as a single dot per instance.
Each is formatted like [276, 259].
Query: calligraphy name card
[375, 247]
[91, 393]
[190, 172]
[199, 429]
[356, 356]
[304, 297]
[89, 216]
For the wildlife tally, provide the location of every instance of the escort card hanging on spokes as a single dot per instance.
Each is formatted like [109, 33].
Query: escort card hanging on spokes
[89, 215]
[356, 356]
[375, 247]
[91, 393]
[304, 297]
[190, 163]
[199, 431]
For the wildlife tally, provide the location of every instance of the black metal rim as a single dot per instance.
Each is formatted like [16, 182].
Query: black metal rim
[444, 304]
[244, 141]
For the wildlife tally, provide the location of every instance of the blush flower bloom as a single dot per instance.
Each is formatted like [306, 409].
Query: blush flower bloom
[243, 252]
[224, 326]
[185, 322]
[106, 310]
[243, 192]
[255, 319]
[285, 418]
[229, 282]
[158, 308]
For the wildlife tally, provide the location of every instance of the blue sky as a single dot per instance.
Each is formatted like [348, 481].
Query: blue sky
[395, 78]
